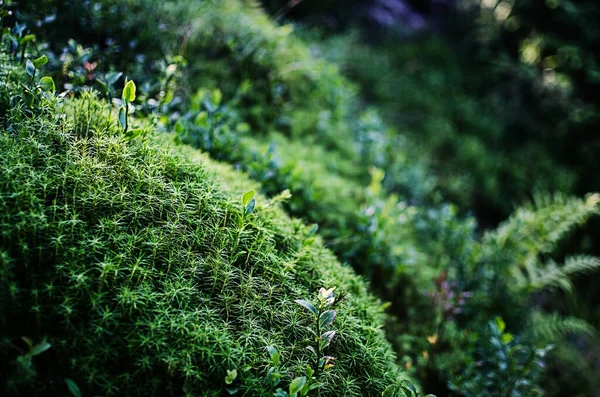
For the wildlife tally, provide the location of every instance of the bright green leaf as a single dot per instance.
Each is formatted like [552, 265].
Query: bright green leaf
[217, 96]
[297, 384]
[274, 355]
[179, 127]
[501, 324]
[47, 84]
[249, 195]
[507, 338]
[27, 39]
[41, 61]
[231, 376]
[201, 120]
[129, 91]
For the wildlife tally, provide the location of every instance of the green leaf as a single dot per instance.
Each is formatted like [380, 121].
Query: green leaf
[41, 61]
[27, 39]
[297, 384]
[307, 305]
[29, 68]
[326, 338]
[179, 127]
[327, 318]
[134, 133]
[249, 195]
[122, 116]
[201, 120]
[129, 91]
[47, 84]
[40, 348]
[309, 371]
[217, 96]
[250, 207]
[501, 324]
[73, 388]
[231, 376]
[274, 355]
[507, 338]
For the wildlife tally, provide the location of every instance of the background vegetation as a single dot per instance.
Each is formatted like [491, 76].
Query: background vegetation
[445, 151]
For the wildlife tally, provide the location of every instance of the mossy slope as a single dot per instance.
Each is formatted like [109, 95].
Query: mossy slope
[128, 259]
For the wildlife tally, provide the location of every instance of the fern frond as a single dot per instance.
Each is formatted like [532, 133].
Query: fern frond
[547, 328]
[537, 227]
[552, 274]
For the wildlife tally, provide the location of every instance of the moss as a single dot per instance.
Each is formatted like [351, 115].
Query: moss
[129, 259]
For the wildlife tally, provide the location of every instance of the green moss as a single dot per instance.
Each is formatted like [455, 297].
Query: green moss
[128, 258]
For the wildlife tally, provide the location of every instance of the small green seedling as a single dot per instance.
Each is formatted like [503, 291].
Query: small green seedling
[231, 380]
[127, 97]
[273, 374]
[38, 349]
[323, 317]
[249, 202]
[31, 67]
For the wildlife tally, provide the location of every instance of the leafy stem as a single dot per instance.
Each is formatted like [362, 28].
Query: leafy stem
[323, 316]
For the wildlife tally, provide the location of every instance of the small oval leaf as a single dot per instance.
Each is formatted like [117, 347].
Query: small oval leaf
[307, 305]
[297, 384]
[122, 116]
[47, 84]
[327, 318]
[217, 96]
[41, 61]
[29, 68]
[250, 207]
[129, 91]
[201, 120]
[249, 195]
[326, 338]
[73, 388]
[274, 354]
[27, 39]
[40, 348]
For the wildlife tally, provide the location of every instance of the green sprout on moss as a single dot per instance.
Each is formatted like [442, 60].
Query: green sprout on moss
[300, 385]
[46, 83]
[127, 97]
[323, 317]
[232, 381]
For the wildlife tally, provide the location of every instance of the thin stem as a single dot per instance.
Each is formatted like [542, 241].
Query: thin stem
[126, 117]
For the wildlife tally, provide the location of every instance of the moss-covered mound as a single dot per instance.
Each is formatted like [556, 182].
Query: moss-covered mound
[133, 261]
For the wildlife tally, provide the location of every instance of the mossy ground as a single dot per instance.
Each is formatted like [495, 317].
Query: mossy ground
[129, 259]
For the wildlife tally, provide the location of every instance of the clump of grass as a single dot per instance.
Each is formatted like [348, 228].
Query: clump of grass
[127, 261]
